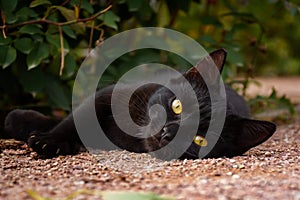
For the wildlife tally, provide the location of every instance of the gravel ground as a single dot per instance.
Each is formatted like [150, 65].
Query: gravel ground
[269, 171]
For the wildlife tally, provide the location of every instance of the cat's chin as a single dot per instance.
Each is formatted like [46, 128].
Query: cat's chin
[152, 144]
[164, 150]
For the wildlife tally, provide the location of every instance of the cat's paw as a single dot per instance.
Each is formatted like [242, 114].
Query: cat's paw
[20, 123]
[46, 145]
[16, 124]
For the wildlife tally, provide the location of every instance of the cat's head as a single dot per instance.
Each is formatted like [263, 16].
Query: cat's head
[238, 135]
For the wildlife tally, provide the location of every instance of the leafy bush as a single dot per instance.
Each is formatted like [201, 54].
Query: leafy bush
[43, 42]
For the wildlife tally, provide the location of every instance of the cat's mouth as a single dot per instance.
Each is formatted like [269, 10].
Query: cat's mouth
[166, 134]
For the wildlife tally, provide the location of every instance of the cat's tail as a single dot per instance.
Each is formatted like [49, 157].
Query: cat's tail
[20, 123]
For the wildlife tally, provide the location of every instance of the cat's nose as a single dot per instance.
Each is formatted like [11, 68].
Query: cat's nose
[165, 129]
[167, 137]
[169, 132]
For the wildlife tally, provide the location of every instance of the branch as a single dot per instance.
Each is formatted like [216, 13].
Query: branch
[39, 21]
[62, 49]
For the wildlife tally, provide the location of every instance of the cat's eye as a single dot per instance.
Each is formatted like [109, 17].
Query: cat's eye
[200, 141]
[177, 106]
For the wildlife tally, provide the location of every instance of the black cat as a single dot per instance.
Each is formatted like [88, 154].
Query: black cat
[49, 137]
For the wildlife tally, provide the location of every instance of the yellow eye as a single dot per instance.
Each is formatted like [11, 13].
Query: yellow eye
[200, 141]
[177, 106]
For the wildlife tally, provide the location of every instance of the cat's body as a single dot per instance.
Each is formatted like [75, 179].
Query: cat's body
[50, 137]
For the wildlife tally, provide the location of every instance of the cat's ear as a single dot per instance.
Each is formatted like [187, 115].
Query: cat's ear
[247, 133]
[205, 66]
[219, 58]
[255, 132]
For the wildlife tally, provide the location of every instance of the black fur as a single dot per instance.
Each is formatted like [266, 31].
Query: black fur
[49, 137]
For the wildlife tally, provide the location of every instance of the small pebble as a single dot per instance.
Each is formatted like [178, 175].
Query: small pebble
[229, 173]
[235, 176]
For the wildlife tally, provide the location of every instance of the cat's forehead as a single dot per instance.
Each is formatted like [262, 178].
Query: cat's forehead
[182, 90]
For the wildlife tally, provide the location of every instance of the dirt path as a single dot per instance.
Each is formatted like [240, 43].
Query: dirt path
[289, 86]
[269, 171]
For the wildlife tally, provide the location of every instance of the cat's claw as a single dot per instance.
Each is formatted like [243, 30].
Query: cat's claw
[57, 151]
[46, 145]
[42, 144]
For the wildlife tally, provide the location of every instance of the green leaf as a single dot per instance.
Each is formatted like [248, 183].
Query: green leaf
[8, 55]
[208, 40]
[70, 16]
[4, 41]
[34, 195]
[109, 19]
[134, 5]
[24, 45]
[37, 38]
[36, 3]
[234, 57]
[69, 32]
[75, 2]
[9, 5]
[211, 20]
[70, 66]
[179, 62]
[111, 195]
[87, 6]
[31, 29]
[36, 56]
[10, 18]
[25, 13]
[55, 40]
[174, 5]
[57, 96]
[146, 56]
[79, 28]
[67, 13]
[34, 80]
[145, 12]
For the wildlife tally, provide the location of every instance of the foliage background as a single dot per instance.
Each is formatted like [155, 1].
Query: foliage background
[43, 42]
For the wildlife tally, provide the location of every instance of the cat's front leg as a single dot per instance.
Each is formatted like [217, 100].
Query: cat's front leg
[20, 123]
[61, 140]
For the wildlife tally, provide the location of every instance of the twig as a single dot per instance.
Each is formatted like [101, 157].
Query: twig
[39, 21]
[100, 40]
[4, 22]
[62, 61]
[65, 2]
[91, 35]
